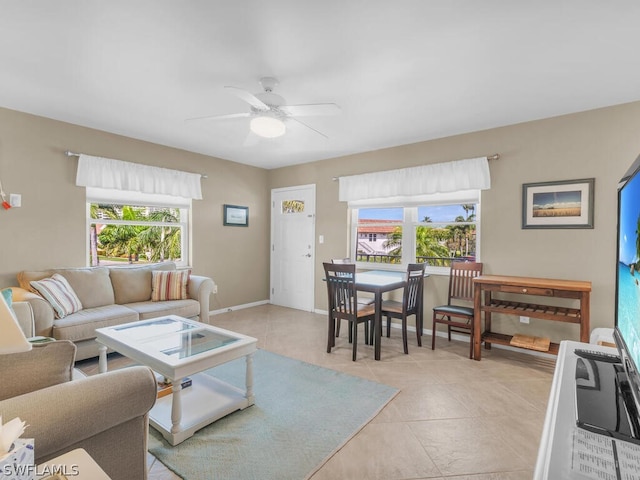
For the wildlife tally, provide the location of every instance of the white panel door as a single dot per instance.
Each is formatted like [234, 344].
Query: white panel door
[293, 217]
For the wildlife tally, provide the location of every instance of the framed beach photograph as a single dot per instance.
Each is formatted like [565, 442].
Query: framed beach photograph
[235, 216]
[562, 204]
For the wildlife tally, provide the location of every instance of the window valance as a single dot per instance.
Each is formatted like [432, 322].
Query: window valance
[460, 175]
[108, 173]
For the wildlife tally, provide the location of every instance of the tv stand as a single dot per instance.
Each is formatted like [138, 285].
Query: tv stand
[562, 438]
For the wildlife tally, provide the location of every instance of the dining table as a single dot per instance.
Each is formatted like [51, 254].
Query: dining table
[379, 282]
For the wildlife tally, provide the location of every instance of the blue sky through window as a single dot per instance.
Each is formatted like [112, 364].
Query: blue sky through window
[437, 213]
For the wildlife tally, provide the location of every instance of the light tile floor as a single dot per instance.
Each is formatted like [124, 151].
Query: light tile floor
[454, 418]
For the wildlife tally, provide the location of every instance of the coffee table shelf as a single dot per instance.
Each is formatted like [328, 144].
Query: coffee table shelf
[205, 401]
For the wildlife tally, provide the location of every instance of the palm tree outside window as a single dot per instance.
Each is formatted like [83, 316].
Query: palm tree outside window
[441, 234]
[136, 234]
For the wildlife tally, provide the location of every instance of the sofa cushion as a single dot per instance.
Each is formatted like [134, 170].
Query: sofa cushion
[57, 291]
[91, 284]
[44, 365]
[82, 325]
[169, 285]
[133, 284]
[27, 276]
[184, 308]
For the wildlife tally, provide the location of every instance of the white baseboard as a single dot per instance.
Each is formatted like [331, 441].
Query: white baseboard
[238, 307]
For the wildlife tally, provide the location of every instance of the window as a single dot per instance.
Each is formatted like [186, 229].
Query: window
[292, 206]
[142, 230]
[432, 233]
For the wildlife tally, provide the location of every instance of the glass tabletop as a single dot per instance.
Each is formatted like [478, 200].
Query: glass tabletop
[175, 338]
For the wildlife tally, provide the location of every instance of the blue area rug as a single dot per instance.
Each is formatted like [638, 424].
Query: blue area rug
[303, 414]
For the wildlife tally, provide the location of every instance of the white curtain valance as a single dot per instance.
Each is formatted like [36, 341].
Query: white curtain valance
[134, 177]
[468, 174]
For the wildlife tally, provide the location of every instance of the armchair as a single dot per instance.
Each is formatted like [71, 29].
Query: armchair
[105, 414]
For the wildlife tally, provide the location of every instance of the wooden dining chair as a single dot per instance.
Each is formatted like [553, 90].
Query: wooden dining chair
[361, 300]
[411, 304]
[458, 318]
[343, 304]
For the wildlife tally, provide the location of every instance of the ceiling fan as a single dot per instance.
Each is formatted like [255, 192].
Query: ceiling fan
[269, 111]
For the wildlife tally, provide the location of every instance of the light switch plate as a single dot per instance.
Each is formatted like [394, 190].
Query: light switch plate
[15, 200]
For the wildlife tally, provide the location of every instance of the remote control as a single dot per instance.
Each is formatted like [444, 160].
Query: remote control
[600, 356]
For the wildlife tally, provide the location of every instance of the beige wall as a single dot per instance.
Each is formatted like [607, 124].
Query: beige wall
[49, 229]
[600, 143]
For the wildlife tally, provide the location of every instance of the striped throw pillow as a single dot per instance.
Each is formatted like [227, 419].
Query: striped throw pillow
[57, 291]
[169, 285]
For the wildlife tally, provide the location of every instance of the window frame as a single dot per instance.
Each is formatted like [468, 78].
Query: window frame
[409, 223]
[135, 199]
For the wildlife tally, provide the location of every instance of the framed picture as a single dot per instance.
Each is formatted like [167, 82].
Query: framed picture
[563, 204]
[235, 216]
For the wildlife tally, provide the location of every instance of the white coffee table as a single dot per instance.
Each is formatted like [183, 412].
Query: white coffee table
[177, 348]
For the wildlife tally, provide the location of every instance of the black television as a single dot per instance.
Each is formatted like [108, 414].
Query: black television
[608, 392]
[627, 301]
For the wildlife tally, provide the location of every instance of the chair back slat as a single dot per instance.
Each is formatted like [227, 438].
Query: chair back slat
[413, 290]
[341, 289]
[461, 280]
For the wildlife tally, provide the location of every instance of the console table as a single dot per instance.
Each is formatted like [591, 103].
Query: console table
[541, 287]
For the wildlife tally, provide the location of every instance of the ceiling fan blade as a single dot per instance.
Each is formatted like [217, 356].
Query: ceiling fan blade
[312, 109]
[250, 140]
[250, 98]
[310, 128]
[219, 117]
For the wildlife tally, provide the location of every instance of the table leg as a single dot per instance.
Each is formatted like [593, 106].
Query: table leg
[585, 307]
[176, 405]
[487, 318]
[249, 380]
[477, 300]
[102, 358]
[377, 326]
[419, 319]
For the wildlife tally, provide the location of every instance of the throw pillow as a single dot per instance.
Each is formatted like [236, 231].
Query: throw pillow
[57, 291]
[6, 293]
[169, 285]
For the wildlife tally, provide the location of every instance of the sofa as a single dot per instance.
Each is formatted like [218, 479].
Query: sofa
[108, 296]
[105, 414]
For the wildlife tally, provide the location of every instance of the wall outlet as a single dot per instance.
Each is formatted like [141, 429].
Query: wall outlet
[524, 319]
[15, 200]
[215, 288]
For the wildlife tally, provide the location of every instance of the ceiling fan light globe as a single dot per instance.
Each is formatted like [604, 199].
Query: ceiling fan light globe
[267, 127]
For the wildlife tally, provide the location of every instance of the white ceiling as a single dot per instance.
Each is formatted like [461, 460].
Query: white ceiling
[402, 71]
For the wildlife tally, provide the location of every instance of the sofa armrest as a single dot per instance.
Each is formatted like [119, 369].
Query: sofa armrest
[24, 315]
[201, 288]
[46, 364]
[105, 414]
[42, 311]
